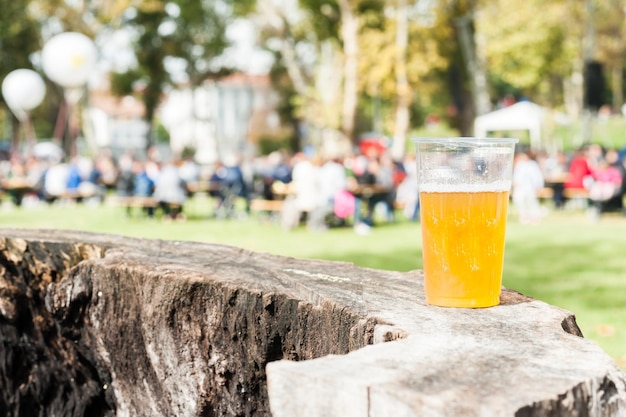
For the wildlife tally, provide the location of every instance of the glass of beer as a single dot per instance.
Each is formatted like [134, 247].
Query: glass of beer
[464, 186]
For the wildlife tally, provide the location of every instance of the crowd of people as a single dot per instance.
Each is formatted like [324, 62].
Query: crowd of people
[318, 191]
[321, 192]
[592, 176]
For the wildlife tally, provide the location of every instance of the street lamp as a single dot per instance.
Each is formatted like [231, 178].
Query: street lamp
[68, 59]
[23, 90]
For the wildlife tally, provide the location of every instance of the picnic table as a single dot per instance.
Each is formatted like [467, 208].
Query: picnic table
[17, 188]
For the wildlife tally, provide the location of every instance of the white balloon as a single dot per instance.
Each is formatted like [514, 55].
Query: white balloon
[69, 58]
[23, 90]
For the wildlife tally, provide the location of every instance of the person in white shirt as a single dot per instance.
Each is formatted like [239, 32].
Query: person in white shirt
[170, 191]
[55, 181]
[527, 181]
[332, 179]
[306, 191]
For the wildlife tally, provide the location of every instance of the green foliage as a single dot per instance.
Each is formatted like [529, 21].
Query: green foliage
[244, 7]
[19, 36]
[607, 132]
[610, 32]
[199, 37]
[160, 134]
[424, 62]
[500, 87]
[267, 145]
[151, 50]
[188, 152]
[529, 50]
[122, 83]
[285, 108]
[323, 17]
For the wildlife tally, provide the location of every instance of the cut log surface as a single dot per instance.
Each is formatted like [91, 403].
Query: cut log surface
[104, 325]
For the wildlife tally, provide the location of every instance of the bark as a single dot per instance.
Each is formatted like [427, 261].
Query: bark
[403, 89]
[349, 35]
[617, 87]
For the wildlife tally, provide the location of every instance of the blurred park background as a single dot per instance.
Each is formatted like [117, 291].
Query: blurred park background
[208, 80]
[246, 77]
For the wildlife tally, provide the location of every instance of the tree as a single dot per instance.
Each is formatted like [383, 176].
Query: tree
[192, 31]
[537, 52]
[151, 49]
[611, 46]
[319, 46]
[282, 30]
[89, 17]
[19, 39]
[403, 90]
[349, 36]
[200, 37]
[401, 66]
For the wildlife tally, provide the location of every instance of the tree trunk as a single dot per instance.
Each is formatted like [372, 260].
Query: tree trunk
[16, 131]
[95, 325]
[617, 87]
[403, 89]
[474, 62]
[273, 18]
[349, 34]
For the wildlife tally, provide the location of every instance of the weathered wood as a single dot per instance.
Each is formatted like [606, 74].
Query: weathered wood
[101, 325]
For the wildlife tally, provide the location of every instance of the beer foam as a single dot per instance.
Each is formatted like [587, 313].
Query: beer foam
[495, 186]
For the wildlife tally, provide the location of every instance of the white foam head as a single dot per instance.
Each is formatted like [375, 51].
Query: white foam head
[495, 186]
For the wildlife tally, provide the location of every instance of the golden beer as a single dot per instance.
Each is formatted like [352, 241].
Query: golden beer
[463, 246]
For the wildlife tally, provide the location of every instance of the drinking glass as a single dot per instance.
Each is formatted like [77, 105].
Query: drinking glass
[464, 186]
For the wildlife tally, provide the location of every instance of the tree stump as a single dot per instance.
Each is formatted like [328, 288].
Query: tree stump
[102, 325]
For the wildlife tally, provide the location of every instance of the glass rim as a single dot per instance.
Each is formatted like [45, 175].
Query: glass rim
[465, 139]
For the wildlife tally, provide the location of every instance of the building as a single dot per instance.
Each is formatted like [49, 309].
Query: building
[219, 118]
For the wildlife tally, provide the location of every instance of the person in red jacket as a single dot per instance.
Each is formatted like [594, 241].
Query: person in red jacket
[579, 170]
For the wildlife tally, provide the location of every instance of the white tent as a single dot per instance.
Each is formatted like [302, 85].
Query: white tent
[523, 115]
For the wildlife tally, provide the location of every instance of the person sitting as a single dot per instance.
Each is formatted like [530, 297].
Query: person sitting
[170, 191]
[305, 197]
[527, 181]
[332, 181]
[379, 174]
[55, 181]
[579, 171]
[143, 186]
[228, 184]
[606, 192]
[124, 183]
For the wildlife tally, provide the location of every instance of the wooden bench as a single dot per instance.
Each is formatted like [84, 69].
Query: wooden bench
[399, 205]
[575, 193]
[568, 193]
[134, 201]
[145, 204]
[268, 209]
[545, 193]
[262, 205]
[72, 196]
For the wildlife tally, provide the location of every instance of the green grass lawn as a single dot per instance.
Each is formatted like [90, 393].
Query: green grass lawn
[568, 260]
